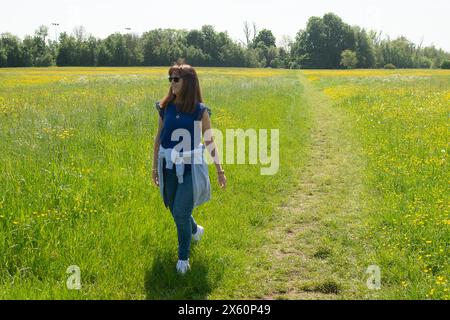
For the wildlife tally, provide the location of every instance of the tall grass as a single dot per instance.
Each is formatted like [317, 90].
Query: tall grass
[75, 183]
[401, 118]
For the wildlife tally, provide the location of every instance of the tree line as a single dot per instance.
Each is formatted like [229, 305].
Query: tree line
[326, 43]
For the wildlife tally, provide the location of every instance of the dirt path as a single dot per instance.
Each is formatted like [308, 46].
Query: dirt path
[314, 247]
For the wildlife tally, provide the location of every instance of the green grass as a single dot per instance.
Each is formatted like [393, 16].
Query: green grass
[401, 120]
[315, 248]
[363, 180]
[75, 184]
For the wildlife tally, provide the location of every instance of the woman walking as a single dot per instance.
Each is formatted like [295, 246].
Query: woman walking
[179, 167]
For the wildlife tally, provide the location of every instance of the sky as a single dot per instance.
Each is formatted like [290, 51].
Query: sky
[419, 21]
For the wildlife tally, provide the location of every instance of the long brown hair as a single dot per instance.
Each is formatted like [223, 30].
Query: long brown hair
[190, 93]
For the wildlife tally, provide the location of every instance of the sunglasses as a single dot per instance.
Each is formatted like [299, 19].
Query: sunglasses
[175, 79]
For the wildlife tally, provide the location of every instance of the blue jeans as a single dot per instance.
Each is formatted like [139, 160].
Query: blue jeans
[181, 204]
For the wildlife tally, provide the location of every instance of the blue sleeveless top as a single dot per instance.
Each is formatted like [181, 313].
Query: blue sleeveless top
[173, 120]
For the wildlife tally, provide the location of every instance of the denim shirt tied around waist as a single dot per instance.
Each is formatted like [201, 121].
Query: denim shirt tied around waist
[199, 168]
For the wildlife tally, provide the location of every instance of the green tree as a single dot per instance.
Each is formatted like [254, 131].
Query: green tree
[163, 46]
[133, 43]
[365, 52]
[262, 54]
[120, 54]
[437, 56]
[28, 52]
[208, 47]
[266, 37]
[273, 57]
[321, 43]
[421, 61]
[196, 56]
[41, 53]
[349, 59]
[230, 54]
[251, 58]
[318, 46]
[284, 58]
[400, 52]
[309, 45]
[210, 43]
[67, 51]
[3, 57]
[104, 57]
[195, 39]
[13, 48]
[88, 51]
[339, 37]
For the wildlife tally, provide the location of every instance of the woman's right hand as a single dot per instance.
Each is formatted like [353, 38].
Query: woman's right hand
[222, 180]
[155, 177]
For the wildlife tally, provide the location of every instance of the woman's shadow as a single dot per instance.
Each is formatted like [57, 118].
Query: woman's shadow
[162, 282]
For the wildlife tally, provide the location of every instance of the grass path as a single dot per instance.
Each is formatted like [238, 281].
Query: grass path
[315, 248]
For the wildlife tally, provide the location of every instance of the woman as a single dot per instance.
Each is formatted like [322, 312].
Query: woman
[179, 168]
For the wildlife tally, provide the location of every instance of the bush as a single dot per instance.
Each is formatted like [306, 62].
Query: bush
[445, 64]
[294, 65]
[349, 59]
[390, 66]
[424, 62]
[45, 60]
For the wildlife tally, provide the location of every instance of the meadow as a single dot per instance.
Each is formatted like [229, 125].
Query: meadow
[401, 117]
[75, 184]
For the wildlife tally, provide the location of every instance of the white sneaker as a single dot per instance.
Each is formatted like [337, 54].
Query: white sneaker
[183, 266]
[199, 234]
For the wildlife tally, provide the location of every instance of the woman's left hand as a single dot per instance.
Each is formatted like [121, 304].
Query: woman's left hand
[222, 180]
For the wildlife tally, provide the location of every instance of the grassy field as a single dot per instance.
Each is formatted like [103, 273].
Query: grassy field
[363, 180]
[401, 119]
[76, 189]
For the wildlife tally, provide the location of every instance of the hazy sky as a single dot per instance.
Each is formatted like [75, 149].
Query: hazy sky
[417, 20]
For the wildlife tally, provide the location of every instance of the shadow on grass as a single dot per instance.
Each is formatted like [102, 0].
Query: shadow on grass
[162, 282]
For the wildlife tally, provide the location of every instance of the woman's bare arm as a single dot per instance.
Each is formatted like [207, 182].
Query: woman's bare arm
[212, 148]
[209, 141]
